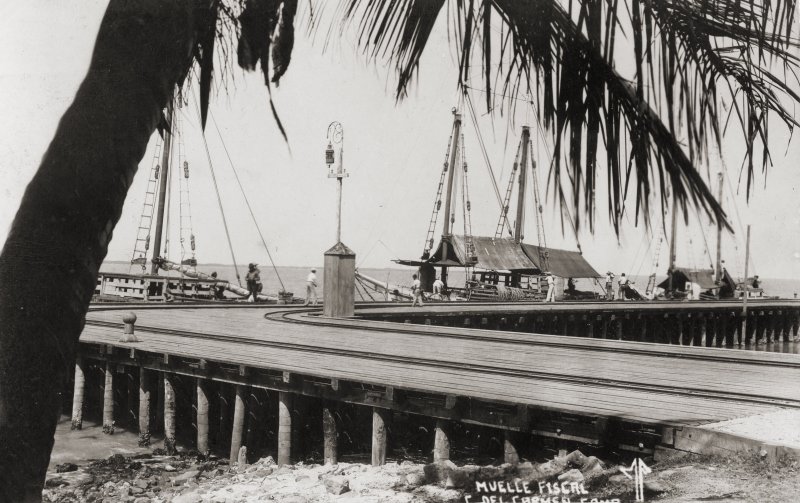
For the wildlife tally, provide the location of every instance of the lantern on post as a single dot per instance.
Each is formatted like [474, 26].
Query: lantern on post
[336, 137]
[329, 155]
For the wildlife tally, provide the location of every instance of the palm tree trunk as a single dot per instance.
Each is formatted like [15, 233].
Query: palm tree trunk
[49, 264]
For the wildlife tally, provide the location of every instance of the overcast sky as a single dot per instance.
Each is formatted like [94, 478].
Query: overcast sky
[394, 154]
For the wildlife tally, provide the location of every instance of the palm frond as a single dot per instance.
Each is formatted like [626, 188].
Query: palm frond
[690, 56]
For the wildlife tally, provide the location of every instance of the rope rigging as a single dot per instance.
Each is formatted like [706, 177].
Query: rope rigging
[184, 203]
[437, 203]
[219, 202]
[469, 246]
[503, 222]
[246, 200]
[141, 246]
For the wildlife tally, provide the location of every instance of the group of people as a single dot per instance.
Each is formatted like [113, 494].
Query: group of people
[255, 286]
[623, 284]
[416, 290]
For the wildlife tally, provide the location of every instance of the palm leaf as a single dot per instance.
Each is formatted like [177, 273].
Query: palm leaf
[689, 56]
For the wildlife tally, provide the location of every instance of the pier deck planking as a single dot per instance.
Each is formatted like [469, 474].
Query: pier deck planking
[509, 367]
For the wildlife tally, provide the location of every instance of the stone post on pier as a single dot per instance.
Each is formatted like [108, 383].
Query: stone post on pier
[339, 282]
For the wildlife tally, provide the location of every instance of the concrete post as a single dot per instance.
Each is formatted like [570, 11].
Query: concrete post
[108, 400]
[441, 442]
[169, 413]
[145, 395]
[202, 416]
[379, 419]
[284, 428]
[77, 395]
[330, 435]
[510, 454]
[238, 423]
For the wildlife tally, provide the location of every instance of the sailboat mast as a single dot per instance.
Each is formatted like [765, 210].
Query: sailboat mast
[673, 243]
[523, 170]
[719, 235]
[451, 167]
[162, 189]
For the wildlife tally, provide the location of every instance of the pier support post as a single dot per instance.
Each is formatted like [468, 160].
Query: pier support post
[202, 416]
[510, 454]
[77, 395]
[441, 441]
[329, 433]
[169, 414]
[108, 400]
[338, 290]
[238, 423]
[145, 395]
[379, 419]
[284, 428]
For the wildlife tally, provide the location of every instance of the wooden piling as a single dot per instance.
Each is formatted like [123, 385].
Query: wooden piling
[224, 414]
[238, 423]
[108, 400]
[329, 434]
[441, 441]
[202, 416]
[379, 419]
[145, 395]
[284, 428]
[169, 414]
[132, 386]
[77, 395]
[510, 454]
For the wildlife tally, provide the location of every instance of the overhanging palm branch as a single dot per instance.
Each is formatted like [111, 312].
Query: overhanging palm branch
[654, 126]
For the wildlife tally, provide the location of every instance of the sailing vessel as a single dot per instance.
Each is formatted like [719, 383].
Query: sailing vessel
[498, 268]
[189, 284]
[713, 283]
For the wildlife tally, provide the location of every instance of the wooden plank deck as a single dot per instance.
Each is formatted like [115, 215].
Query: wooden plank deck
[505, 367]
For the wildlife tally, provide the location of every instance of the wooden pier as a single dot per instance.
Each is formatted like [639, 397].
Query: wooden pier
[605, 392]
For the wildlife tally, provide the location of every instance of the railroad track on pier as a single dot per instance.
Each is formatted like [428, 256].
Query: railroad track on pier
[554, 341]
[293, 316]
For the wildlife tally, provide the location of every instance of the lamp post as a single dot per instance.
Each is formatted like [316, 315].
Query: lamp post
[338, 287]
[336, 137]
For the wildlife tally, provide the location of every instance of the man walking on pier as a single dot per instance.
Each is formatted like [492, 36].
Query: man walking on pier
[551, 288]
[416, 292]
[311, 287]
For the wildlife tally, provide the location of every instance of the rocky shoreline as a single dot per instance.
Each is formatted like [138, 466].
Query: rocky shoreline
[195, 478]
[573, 478]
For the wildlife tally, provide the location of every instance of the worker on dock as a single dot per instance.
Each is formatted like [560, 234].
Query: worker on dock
[416, 291]
[622, 289]
[253, 279]
[311, 287]
[438, 286]
[551, 287]
[217, 291]
[609, 285]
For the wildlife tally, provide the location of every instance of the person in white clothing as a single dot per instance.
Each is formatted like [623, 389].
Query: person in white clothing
[551, 288]
[622, 291]
[311, 287]
[416, 292]
[438, 286]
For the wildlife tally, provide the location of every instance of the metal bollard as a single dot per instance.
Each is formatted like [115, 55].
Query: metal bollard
[129, 319]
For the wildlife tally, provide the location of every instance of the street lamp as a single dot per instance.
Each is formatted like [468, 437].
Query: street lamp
[336, 137]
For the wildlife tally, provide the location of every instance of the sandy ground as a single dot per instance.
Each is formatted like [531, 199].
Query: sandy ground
[779, 428]
[78, 446]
